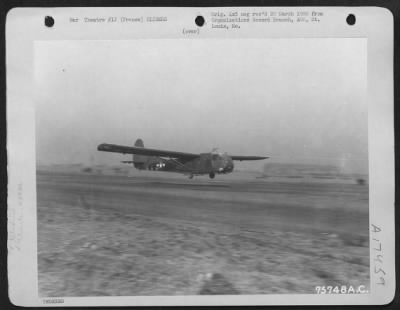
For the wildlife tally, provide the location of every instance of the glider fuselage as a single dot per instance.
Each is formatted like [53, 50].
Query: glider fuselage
[206, 163]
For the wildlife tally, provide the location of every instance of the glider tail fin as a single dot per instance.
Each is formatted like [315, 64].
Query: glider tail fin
[139, 161]
[139, 143]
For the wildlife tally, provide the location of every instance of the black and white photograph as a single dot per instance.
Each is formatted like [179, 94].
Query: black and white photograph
[200, 156]
[201, 167]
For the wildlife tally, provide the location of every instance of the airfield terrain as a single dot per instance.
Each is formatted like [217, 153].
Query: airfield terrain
[148, 233]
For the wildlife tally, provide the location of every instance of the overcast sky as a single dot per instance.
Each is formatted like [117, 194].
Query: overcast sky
[296, 100]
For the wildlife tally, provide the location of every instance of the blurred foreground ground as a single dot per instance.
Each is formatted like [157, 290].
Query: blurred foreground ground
[119, 232]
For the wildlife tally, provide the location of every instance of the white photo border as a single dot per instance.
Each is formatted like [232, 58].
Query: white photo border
[24, 26]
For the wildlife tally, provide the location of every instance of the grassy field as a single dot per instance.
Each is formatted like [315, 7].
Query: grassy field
[102, 235]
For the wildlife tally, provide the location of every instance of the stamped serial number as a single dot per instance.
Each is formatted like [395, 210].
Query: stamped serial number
[53, 301]
[343, 289]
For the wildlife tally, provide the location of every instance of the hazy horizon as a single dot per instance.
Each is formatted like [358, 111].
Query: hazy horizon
[296, 100]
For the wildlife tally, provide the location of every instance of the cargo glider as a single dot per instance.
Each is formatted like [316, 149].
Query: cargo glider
[190, 164]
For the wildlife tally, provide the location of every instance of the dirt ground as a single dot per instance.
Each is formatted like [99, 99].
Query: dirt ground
[109, 235]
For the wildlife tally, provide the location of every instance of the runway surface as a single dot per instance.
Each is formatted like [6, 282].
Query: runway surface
[153, 235]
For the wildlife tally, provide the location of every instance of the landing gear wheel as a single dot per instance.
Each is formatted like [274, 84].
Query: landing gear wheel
[212, 175]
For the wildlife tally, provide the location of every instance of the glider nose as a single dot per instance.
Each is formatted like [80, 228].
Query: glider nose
[229, 166]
